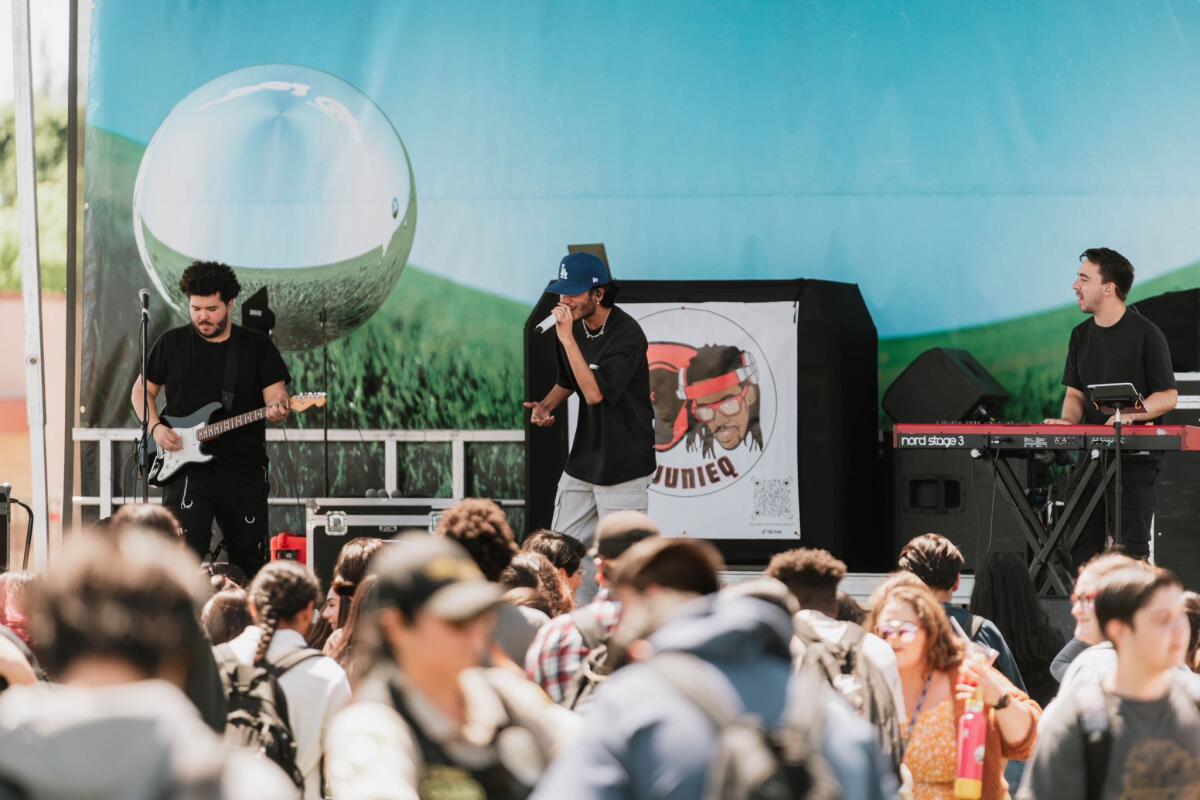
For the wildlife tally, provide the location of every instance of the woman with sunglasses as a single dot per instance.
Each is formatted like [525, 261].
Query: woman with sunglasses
[937, 682]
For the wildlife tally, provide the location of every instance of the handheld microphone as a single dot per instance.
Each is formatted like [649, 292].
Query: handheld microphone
[546, 324]
[144, 299]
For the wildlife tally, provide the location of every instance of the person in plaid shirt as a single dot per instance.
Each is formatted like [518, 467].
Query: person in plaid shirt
[562, 645]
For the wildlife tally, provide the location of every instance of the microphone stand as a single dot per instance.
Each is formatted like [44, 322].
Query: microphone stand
[143, 444]
[325, 410]
[1119, 490]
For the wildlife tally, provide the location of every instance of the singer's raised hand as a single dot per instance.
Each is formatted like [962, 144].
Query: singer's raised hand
[539, 416]
[563, 317]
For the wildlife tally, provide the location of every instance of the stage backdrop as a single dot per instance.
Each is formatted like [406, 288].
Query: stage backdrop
[404, 176]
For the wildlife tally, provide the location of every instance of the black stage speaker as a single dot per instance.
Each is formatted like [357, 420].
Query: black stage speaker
[1177, 314]
[948, 492]
[944, 385]
[1177, 518]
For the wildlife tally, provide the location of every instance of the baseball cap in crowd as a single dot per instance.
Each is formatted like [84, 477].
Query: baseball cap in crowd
[579, 272]
[619, 531]
[422, 572]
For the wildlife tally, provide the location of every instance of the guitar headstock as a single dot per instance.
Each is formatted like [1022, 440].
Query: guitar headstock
[303, 402]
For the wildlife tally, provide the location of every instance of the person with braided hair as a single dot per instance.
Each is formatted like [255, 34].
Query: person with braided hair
[283, 596]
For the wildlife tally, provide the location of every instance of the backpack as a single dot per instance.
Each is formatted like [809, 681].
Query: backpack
[859, 681]
[750, 762]
[522, 749]
[595, 668]
[257, 717]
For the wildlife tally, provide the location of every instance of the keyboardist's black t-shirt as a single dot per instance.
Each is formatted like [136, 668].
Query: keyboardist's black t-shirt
[192, 371]
[1132, 351]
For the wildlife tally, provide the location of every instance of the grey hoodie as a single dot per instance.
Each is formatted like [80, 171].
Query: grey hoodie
[125, 742]
[642, 739]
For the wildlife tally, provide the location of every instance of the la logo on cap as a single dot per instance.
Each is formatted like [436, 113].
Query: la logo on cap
[595, 279]
[562, 273]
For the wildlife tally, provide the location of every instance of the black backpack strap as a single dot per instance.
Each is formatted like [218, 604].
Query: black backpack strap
[231, 370]
[1097, 737]
[588, 625]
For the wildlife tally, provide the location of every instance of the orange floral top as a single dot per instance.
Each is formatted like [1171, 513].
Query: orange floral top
[931, 755]
[932, 752]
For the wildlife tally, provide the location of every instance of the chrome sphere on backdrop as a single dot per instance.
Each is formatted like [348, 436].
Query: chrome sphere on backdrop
[294, 178]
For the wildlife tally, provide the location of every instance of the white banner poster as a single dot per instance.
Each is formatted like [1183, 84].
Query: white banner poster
[723, 384]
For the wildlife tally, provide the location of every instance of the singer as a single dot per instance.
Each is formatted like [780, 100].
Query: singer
[602, 358]
[196, 363]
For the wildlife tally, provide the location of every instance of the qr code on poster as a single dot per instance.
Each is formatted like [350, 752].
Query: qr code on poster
[772, 500]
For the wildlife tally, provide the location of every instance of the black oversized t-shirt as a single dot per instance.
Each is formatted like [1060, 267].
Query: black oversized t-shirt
[1132, 351]
[192, 371]
[614, 439]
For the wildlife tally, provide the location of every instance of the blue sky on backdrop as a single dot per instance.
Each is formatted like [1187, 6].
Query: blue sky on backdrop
[952, 158]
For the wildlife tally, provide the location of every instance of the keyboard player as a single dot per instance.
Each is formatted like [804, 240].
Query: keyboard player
[1116, 345]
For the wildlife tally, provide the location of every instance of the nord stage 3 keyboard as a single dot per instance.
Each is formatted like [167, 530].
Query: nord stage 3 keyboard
[967, 436]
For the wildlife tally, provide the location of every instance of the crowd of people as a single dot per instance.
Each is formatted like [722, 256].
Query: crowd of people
[457, 664]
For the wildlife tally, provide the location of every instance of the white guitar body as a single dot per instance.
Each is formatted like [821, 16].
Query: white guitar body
[168, 463]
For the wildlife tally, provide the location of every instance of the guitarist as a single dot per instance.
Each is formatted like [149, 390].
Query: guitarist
[190, 361]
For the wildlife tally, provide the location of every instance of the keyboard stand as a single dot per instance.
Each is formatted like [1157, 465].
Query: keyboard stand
[1051, 568]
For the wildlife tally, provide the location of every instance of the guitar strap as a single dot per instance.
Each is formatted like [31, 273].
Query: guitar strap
[231, 367]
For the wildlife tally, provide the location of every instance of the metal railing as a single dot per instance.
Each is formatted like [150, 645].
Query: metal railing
[108, 438]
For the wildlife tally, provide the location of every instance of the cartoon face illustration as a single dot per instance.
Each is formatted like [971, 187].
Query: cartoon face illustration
[670, 412]
[721, 389]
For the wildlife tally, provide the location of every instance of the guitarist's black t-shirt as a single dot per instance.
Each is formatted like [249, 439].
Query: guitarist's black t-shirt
[192, 370]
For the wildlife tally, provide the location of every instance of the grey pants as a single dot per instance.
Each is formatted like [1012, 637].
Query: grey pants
[578, 506]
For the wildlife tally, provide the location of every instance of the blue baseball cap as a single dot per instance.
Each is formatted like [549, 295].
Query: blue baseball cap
[579, 272]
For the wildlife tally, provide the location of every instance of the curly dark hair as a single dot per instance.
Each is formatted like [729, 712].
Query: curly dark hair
[482, 529]
[611, 289]
[204, 278]
[934, 559]
[811, 575]
[712, 361]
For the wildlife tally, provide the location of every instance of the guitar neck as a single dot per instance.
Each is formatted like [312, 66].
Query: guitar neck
[210, 432]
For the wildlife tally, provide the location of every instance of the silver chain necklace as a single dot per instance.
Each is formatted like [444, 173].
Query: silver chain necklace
[598, 333]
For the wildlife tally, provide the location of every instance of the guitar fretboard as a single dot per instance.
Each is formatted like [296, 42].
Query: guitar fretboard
[216, 429]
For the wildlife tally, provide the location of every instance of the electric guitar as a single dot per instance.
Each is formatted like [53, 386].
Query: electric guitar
[197, 428]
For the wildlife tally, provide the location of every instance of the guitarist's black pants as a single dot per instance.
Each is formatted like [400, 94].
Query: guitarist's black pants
[236, 499]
